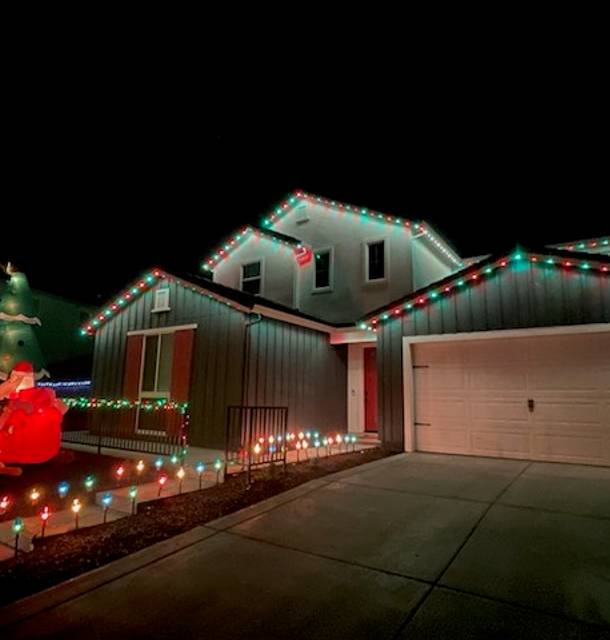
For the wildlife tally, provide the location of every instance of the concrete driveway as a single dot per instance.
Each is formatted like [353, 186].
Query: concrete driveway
[414, 546]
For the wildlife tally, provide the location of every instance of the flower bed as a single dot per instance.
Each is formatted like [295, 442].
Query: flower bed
[65, 556]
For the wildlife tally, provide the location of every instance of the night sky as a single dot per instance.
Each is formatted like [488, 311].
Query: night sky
[98, 196]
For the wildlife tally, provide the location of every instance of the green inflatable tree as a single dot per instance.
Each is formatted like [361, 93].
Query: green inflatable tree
[17, 338]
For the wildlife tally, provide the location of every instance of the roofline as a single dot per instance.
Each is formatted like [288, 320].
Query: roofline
[290, 202]
[591, 243]
[238, 300]
[477, 272]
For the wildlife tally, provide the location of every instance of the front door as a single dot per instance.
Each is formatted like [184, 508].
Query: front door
[370, 389]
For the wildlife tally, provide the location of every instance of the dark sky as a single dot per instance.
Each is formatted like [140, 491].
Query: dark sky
[95, 191]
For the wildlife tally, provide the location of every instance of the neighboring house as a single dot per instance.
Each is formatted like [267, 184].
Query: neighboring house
[356, 319]
[592, 245]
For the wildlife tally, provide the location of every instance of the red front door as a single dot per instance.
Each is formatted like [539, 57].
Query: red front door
[370, 389]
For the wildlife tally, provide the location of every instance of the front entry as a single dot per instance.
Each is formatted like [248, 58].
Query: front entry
[370, 389]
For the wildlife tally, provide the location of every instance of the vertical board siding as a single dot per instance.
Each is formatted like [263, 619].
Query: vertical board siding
[519, 298]
[287, 365]
[297, 367]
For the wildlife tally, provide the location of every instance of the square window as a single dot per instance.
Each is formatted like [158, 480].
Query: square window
[161, 300]
[251, 278]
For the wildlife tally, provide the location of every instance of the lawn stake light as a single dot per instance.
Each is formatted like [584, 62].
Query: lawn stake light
[45, 514]
[106, 502]
[200, 468]
[174, 459]
[133, 494]
[339, 441]
[17, 529]
[34, 496]
[158, 464]
[63, 488]
[298, 448]
[325, 443]
[218, 468]
[316, 444]
[162, 480]
[89, 482]
[304, 446]
[139, 469]
[76, 507]
[119, 473]
[5, 503]
[180, 475]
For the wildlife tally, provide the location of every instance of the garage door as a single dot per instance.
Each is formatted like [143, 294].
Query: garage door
[540, 398]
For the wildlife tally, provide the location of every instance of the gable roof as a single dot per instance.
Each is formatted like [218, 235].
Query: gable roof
[475, 273]
[239, 300]
[292, 201]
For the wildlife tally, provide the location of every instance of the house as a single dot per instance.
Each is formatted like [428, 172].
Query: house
[360, 320]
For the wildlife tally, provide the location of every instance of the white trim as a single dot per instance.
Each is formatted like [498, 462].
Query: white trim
[331, 270]
[407, 362]
[260, 277]
[352, 336]
[159, 330]
[386, 259]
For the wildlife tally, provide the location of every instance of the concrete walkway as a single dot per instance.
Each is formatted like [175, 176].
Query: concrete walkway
[414, 546]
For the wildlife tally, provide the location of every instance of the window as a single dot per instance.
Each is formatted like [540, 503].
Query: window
[375, 260]
[161, 300]
[323, 269]
[251, 278]
[157, 366]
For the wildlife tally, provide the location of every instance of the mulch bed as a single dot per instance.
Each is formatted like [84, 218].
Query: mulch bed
[64, 556]
[69, 465]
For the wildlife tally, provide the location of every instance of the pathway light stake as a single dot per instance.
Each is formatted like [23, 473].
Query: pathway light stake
[316, 444]
[218, 468]
[162, 480]
[304, 446]
[5, 503]
[17, 529]
[133, 494]
[106, 502]
[34, 496]
[89, 482]
[140, 466]
[200, 468]
[63, 488]
[119, 473]
[298, 448]
[180, 475]
[45, 514]
[158, 464]
[76, 507]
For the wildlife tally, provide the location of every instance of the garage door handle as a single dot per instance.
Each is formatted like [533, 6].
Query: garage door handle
[423, 424]
[530, 405]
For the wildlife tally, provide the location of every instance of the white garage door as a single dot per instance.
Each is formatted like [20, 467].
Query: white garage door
[541, 398]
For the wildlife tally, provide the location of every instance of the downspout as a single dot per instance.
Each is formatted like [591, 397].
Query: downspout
[253, 318]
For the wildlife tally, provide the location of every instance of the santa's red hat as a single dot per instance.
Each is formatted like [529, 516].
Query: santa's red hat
[23, 367]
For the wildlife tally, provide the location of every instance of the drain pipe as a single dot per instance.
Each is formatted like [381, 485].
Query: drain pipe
[253, 318]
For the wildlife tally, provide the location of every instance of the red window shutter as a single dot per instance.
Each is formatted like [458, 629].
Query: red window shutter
[182, 364]
[133, 363]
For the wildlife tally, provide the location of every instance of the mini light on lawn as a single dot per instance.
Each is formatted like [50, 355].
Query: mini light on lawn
[316, 444]
[140, 468]
[76, 507]
[158, 464]
[174, 459]
[257, 449]
[304, 446]
[200, 468]
[162, 480]
[180, 475]
[298, 448]
[5, 503]
[119, 473]
[339, 440]
[89, 482]
[17, 529]
[34, 496]
[45, 514]
[133, 494]
[63, 488]
[301, 435]
[271, 439]
[106, 502]
[218, 469]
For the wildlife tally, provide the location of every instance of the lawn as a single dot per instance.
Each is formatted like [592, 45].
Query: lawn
[72, 467]
[61, 557]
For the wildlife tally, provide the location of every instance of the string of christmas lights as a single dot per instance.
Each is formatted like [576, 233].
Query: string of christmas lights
[298, 196]
[146, 405]
[472, 277]
[585, 244]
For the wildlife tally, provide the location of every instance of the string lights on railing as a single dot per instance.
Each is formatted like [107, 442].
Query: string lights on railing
[117, 405]
[475, 275]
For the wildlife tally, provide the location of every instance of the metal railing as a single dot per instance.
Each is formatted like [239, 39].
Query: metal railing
[255, 436]
[160, 431]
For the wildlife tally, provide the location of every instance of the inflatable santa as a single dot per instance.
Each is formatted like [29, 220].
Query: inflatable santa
[30, 421]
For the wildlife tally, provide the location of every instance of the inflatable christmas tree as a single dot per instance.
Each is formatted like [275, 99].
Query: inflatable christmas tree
[18, 341]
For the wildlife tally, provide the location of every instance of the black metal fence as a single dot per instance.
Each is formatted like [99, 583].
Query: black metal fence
[255, 436]
[160, 431]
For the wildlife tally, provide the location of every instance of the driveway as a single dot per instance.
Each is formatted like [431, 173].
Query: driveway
[413, 546]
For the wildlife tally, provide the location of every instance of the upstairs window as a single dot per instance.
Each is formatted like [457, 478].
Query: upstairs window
[375, 260]
[251, 278]
[323, 269]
